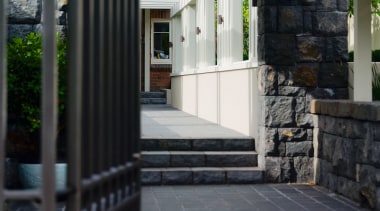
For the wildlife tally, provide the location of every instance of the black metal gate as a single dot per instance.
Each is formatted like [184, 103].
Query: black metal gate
[103, 109]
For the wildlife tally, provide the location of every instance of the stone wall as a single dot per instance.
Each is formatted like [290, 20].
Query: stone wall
[302, 55]
[347, 147]
[27, 16]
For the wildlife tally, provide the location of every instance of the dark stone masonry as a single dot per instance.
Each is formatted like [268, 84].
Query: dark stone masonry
[27, 16]
[303, 56]
[347, 144]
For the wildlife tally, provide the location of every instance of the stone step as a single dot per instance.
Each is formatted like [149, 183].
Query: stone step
[152, 100]
[198, 158]
[152, 95]
[222, 144]
[201, 175]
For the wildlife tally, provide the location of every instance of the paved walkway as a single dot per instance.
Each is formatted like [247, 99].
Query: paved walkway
[163, 121]
[263, 197]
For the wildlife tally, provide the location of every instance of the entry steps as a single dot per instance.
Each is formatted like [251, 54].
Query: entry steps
[199, 161]
[152, 98]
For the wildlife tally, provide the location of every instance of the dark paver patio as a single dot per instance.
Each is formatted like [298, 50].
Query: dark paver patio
[266, 197]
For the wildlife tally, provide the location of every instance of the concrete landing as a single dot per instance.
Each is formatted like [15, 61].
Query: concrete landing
[164, 121]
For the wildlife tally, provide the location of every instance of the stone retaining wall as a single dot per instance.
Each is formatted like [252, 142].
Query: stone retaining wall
[27, 16]
[347, 149]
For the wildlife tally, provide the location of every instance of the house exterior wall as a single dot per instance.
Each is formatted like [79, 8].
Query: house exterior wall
[223, 97]
[302, 53]
[159, 73]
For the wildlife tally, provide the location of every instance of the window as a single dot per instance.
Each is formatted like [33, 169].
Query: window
[161, 46]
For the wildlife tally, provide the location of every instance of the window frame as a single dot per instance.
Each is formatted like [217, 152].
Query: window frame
[152, 32]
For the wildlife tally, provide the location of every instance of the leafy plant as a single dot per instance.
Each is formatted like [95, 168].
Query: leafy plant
[245, 29]
[24, 78]
[375, 83]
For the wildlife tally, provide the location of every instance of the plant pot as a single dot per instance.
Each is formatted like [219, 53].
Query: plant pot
[30, 175]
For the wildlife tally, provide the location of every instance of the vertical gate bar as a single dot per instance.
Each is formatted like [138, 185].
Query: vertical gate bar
[86, 97]
[136, 94]
[75, 56]
[118, 90]
[91, 94]
[108, 91]
[123, 91]
[97, 89]
[49, 105]
[113, 79]
[129, 54]
[3, 94]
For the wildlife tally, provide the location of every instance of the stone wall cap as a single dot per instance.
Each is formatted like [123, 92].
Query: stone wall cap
[347, 109]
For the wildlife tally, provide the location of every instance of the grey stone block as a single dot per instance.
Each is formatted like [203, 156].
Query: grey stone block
[268, 15]
[238, 144]
[180, 176]
[279, 112]
[304, 120]
[24, 12]
[207, 144]
[290, 19]
[292, 134]
[268, 82]
[279, 49]
[291, 91]
[304, 148]
[19, 30]
[175, 144]
[326, 5]
[330, 23]
[333, 75]
[349, 188]
[279, 169]
[187, 159]
[304, 168]
[337, 49]
[344, 158]
[239, 158]
[343, 5]
[209, 176]
[310, 49]
[238, 176]
[155, 159]
[151, 177]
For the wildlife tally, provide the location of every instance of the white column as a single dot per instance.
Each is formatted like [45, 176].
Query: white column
[189, 43]
[177, 45]
[253, 28]
[147, 51]
[206, 36]
[362, 49]
[230, 32]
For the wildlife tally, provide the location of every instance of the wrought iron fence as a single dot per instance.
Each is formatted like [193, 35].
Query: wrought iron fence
[103, 107]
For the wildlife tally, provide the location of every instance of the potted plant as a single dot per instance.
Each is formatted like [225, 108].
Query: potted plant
[24, 98]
